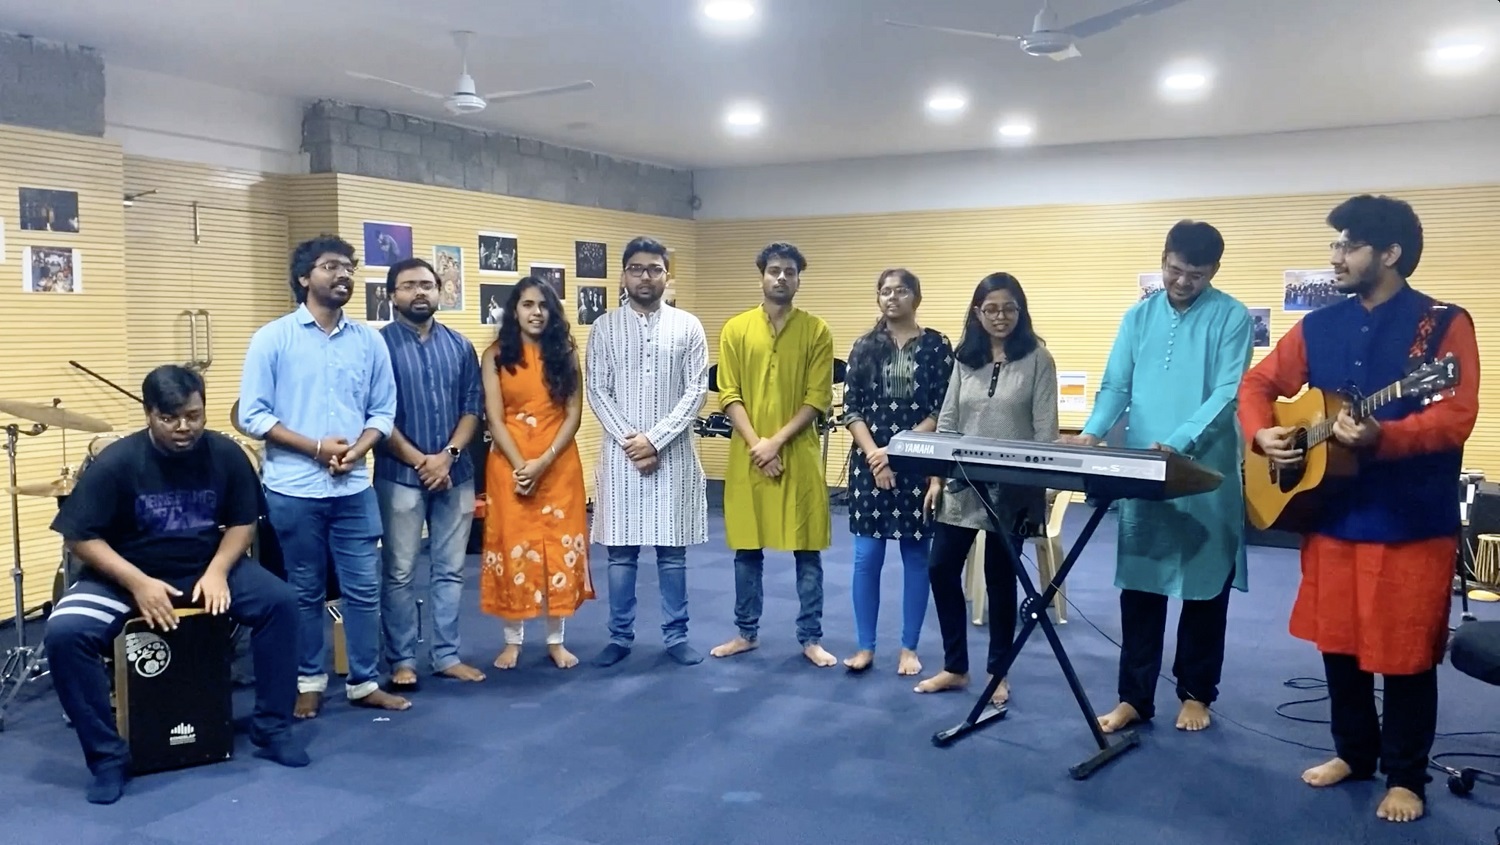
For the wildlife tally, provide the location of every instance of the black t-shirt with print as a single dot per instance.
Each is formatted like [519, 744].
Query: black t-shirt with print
[162, 512]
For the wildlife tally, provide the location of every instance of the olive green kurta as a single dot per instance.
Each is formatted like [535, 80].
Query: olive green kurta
[773, 375]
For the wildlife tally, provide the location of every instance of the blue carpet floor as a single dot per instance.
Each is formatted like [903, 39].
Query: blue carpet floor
[765, 748]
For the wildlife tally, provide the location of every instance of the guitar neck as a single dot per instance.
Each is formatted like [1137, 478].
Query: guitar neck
[1360, 410]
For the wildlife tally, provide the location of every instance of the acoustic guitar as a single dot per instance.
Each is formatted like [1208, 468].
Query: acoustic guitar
[1287, 498]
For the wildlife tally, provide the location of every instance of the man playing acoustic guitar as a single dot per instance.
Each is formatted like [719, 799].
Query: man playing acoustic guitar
[1378, 562]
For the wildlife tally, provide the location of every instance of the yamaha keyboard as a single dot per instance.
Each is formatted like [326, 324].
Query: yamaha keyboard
[1096, 471]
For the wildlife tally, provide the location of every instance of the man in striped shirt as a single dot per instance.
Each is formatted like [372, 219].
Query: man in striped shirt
[423, 473]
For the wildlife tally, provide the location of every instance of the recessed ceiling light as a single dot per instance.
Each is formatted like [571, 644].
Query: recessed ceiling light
[1458, 52]
[947, 102]
[743, 117]
[728, 10]
[1184, 81]
[1014, 129]
[1456, 55]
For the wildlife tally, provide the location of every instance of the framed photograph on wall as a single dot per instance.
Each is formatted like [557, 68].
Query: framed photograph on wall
[555, 275]
[49, 210]
[592, 303]
[386, 243]
[1149, 283]
[590, 260]
[492, 299]
[378, 306]
[1260, 327]
[1305, 290]
[449, 263]
[497, 254]
[51, 269]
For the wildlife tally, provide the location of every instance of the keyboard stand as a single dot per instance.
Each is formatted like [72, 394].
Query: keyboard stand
[1033, 613]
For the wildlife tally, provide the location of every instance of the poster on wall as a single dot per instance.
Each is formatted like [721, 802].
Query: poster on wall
[1260, 327]
[497, 254]
[1150, 283]
[591, 304]
[591, 260]
[51, 269]
[378, 308]
[449, 263]
[1072, 390]
[49, 210]
[386, 243]
[1305, 290]
[555, 275]
[492, 299]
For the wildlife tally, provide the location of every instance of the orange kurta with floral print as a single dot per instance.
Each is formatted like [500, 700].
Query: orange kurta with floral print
[535, 546]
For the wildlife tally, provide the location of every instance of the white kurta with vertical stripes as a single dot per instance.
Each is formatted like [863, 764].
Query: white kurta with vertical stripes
[648, 373]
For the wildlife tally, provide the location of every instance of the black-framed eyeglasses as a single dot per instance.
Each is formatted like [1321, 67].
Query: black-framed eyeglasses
[1346, 246]
[331, 266]
[993, 311]
[424, 285]
[654, 271]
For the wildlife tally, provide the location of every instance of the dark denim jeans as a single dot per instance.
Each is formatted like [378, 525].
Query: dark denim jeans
[750, 594]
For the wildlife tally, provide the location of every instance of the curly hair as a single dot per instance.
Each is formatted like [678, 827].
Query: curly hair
[559, 351]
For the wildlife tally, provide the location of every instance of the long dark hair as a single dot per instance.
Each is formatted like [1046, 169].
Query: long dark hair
[559, 351]
[974, 348]
[873, 348]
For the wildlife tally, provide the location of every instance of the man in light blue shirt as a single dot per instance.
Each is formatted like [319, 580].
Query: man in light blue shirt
[319, 390]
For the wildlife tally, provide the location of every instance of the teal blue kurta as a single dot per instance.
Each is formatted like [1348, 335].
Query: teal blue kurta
[1178, 373]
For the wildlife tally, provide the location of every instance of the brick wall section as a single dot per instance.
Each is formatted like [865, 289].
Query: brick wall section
[342, 138]
[48, 85]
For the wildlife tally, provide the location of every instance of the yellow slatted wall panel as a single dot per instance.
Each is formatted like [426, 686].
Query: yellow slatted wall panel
[1079, 265]
[312, 208]
[45, 330]
[210, 239]
[545, 234]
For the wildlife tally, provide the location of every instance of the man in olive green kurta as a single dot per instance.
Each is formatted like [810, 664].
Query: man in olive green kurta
[775, 376]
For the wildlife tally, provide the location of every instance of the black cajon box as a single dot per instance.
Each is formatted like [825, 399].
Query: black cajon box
[173, 692]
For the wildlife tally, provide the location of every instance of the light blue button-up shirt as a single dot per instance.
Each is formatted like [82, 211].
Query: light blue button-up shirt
[318, 385]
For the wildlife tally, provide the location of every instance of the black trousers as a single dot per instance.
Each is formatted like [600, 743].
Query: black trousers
[1200, 647]
[945, 571]
[1400, 742]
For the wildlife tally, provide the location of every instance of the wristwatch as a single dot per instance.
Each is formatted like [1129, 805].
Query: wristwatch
[454, 450]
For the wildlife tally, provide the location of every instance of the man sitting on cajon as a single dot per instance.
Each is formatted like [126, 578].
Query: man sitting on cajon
[145, 518]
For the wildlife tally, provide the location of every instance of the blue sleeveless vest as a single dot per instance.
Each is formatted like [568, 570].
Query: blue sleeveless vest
[1393, 501]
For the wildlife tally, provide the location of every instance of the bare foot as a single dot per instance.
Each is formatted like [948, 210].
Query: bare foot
[308, 704]
[404, 676]
[942, 681]
[1002, 693]
[1122, 715]
[1400, 805]
[735, 646]
[907, 663]
[1327, 774]
[819, 655]
[508, 657]
[462, 672]
[860, 661]
[382, 700]
[1193, 716]
[563, 658]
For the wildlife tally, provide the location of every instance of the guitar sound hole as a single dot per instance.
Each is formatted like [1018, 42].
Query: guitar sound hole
[1288, 477]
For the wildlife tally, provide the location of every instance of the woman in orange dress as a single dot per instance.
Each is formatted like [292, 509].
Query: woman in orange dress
[536, 553]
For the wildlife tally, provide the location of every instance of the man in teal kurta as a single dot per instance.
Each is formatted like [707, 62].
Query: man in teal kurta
[775, 376]
[1176, 366]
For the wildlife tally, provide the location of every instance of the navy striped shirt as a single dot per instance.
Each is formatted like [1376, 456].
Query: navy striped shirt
[437, 383]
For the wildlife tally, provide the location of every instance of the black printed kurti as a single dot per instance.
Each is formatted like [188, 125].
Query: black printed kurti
[895, 397]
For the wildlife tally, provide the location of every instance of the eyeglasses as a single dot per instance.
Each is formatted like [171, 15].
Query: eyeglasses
[655, 271]
[993, 311]
[424, 285]
[1346, 246]
[336, 266]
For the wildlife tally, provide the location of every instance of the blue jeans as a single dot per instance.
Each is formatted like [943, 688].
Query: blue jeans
[869, 557]
[671, 575]
[750, 594]
[347, 530]
[448, 515]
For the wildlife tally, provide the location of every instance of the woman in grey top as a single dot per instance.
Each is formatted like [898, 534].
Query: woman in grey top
[1004, 385]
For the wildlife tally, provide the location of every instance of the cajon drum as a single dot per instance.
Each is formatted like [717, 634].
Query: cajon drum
[173, 692]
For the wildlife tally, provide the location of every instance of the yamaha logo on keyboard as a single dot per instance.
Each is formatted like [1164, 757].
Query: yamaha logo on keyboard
[918, 448]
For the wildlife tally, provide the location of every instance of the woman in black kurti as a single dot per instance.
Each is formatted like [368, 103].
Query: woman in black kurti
[896, 379]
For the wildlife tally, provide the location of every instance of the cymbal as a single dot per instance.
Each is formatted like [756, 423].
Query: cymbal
[55, 417]
[50, 489]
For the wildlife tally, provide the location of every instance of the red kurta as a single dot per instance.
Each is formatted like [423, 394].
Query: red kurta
[1385, 603]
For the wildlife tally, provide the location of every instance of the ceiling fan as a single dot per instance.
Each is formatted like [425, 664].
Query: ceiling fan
[463, 100]
[1046, 39]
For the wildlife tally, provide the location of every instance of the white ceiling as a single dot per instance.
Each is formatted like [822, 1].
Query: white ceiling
[833, 81]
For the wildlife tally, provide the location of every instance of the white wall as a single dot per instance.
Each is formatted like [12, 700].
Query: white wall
[1392, 157]
[152, 114]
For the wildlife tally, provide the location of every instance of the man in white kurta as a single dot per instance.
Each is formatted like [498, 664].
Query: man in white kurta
[647, 376]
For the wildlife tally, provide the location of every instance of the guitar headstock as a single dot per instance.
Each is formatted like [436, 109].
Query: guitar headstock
[1428, 381]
